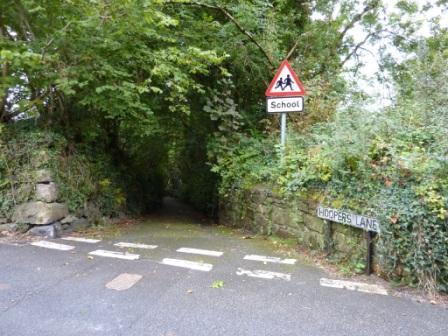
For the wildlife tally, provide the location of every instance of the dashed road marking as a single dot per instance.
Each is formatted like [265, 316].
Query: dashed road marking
[114, 254]
[354, 286]
[264, 274]
[82, 240]
[275, 260]
[200, 251]
[133, 245]
[124, 281]
[53, 246]
[197, 266]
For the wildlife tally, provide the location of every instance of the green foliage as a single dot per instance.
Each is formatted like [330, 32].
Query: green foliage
[164, 86]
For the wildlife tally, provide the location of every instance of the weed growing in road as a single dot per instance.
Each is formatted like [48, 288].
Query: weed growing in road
[217, 284]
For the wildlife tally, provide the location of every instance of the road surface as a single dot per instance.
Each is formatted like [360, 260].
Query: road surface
[187, 279]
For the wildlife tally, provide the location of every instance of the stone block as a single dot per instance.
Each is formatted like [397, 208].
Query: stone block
[346, 244]
[281, 215]
[298, 218]
[258, 195]
[314, 223]
[39, 213]
[313, 240]
[43, 176]
[49, 231]
[302, 205]
[69, 219]
[47, 192]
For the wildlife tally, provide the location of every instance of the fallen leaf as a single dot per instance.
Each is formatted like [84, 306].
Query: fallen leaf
[189, 291]
[394, 219]
[388, 182]
[217, 284]
[90, 257]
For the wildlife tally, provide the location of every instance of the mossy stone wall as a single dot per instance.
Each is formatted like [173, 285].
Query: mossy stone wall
[263, 211]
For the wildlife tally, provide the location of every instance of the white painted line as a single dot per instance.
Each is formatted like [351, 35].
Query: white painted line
[200, 251]
[264, 274]
[82, 240]
[139, 246]
[275, 260]
[114, 254]
[124, 281]
[53, 246]
[354, 286]
[197, 266]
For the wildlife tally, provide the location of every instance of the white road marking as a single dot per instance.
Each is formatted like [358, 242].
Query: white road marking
[200, 251]
[133, 245]
[82, 240]
[354, 286]
[114, 254]
[264, 274]
[53, 246]
[124, 281]
[197, 266]
[275, 260]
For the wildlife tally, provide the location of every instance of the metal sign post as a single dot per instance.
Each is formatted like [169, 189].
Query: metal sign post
[369, 255]
[283, 131]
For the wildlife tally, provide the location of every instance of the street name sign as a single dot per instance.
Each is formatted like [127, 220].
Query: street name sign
[348, 218]
[284, 104]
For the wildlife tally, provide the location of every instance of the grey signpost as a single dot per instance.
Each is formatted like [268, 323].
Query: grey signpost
[283, 130]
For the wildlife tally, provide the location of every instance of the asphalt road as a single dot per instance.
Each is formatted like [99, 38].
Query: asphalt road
[52, 292]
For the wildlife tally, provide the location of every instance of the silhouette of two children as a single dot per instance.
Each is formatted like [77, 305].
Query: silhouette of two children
[283, 84]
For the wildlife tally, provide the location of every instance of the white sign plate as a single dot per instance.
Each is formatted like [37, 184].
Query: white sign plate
[284, 104]
[348, 218]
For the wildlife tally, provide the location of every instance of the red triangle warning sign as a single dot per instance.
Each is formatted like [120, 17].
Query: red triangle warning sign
[285, 83]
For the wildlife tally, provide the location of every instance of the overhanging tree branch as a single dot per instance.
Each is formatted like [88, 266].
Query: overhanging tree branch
[24, 23]
[358, 17]
[226, 13]
[4, 75]
[356, 48]
[292, 50]
[44, 49]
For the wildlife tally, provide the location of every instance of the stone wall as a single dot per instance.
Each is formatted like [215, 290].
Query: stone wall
[41, 211]
[262, 211]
